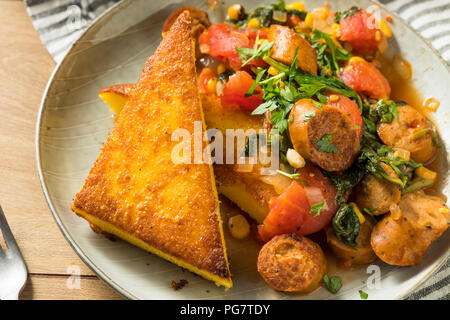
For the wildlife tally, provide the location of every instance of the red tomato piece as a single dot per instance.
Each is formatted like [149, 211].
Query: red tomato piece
[348, 107]
[315, 179]
[359, 30]
[204, 77]
[287, 212]
[235, 89]
[220, 41]
[364, 77]
[290, 212]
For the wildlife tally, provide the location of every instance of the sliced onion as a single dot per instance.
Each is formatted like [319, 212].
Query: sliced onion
[278, 181]
[315, 196]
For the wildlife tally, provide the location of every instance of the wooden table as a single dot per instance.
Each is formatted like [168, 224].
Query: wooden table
[25, 67]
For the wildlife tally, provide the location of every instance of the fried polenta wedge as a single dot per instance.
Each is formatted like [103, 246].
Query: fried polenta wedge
[246, 190]
[136, 192]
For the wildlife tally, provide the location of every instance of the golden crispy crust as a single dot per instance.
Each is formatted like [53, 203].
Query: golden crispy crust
[121, 89]
[134, 187]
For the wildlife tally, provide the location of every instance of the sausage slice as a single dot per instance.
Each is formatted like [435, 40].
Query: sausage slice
[411, 132]
[376, 195]
[323, 134]
[403, 238]
[285, 41]
[292, 263]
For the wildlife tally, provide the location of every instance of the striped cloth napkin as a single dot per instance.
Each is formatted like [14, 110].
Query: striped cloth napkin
[61, 22]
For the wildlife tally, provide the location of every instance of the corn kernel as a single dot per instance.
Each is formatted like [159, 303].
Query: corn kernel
[221, 68]
[253, 23]
[443, 210]
[336, 29]
[333, 98]
[296, 6]
[321, 13]
[425, 173]
[384, 27]
[280, 84]
[355, 59]
[295, 159]
[377, 36]
[211, 85]
[239, 226]
[273, 71]
[309, 20]
[234, 11]
[358, 212]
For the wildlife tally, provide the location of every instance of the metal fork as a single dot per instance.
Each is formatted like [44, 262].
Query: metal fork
[13, 271]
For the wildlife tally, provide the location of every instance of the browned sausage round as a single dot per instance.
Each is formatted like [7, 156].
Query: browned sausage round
[362, 253]
[376, 195]
[292, 263]
[403, 236]
[411, 132]
[323, 134]
[285, 41]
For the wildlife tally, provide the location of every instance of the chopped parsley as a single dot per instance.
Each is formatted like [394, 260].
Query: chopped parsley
[293, 176]
[309, 115]
[249, 54]
[363, 295]
[324, 145]
[328, 54]
[333, 284]
[317, 208]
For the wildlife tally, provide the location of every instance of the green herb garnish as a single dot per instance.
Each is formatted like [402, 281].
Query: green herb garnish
[317, 208]
[293, 176]
[346, 225]
[345, 14]
[333, 284]
[309, 115]
[249, 54]
[363, 295]
[324, 145]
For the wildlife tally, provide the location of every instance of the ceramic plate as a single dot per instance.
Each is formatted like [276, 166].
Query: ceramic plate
[73, 123]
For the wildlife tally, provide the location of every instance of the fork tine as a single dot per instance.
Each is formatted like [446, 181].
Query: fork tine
[7, 234]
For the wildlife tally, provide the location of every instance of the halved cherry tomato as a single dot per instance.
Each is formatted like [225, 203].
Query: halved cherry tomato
[360, 31]
[235, 89]
[290, 212]
[220, 41]
[364, 77]
[204, 77]
[348, 107]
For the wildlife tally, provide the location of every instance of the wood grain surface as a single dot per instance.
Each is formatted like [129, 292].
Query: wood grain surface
[25, 67]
